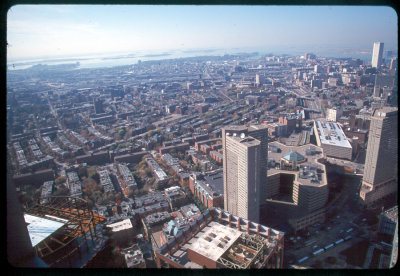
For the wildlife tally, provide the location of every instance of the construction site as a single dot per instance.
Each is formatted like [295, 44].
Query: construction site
[64, 232]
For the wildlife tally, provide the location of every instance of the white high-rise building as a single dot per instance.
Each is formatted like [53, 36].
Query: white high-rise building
[245, 154]
[380, 172]
[377, 54]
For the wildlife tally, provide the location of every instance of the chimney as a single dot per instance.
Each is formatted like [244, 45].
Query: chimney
[269, 234]
[238, 224]
[229, 219]
[258, 228]
[248, 227]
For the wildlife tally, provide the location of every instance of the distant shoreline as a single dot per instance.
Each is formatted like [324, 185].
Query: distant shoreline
[103, 61]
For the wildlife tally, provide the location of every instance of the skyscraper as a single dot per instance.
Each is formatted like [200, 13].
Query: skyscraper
[380, 172]
[377, 54]
[245, 160]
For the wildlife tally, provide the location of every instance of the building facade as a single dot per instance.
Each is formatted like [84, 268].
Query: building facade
[380, 172]
[332, 139]
[245, 158]
[377, 54]
[333, 114]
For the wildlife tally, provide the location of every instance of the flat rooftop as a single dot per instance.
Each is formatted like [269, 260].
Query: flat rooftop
[311, 163]
[392, 213]
[385, 111]
[216, 182]
[121, 225]
[330, 133]
[214, 240]
[247, 141]
[41, 228]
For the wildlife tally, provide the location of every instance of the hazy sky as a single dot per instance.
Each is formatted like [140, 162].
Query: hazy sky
[59, 30]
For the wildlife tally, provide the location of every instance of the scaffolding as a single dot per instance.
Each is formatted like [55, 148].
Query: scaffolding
[80, 226]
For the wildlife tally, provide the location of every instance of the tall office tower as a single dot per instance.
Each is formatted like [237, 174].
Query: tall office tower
[380, 172]
[98, 106]
[393, 63]
[245, 161]
[377, 54]
[257, 79]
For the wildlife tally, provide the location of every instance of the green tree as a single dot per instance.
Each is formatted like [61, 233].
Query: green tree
[96, 177]
[147, 172]
[82, 172]
[122, 133]
[197, 167]
[61, 191]
[59, 180]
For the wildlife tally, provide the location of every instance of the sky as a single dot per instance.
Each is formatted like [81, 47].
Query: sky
[67, 30]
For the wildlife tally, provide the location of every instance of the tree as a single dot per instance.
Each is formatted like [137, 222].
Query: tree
[59, 180]
[89, 186]
[61, 191]
[82, 172]
[122, 133]
[197, 167]
[96, 177]
[147, 172]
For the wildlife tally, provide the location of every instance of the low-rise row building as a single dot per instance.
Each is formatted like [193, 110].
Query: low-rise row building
[74, 184]
[47, 190]
[160, 176]
[208, 188]
[128, 180]
[105, 180]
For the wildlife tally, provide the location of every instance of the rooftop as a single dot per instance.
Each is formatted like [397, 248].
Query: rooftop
[121, 225]
[214, 240]
[330, 133]
[214, 226]
[293, 156]
[385, 111]
[310, 170]
[392, 213]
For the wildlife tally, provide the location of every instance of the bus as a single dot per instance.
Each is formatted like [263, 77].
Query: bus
[303, 259]
[329, 246]
[318, 251]
[339, 241]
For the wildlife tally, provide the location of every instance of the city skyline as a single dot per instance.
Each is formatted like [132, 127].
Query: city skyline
[259, 137]
[62, 30]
